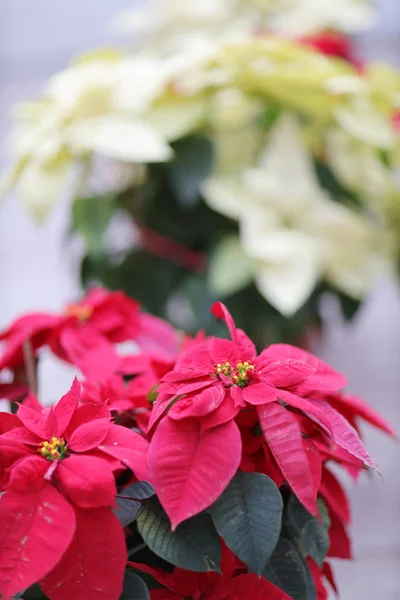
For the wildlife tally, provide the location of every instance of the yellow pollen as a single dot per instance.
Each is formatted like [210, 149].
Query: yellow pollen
[238, 375]
[80, 311]
[54, 450]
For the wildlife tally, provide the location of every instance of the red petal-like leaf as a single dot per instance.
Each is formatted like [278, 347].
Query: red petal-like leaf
[361, 409]
[198, 404]
[159, 575]
[316, 573]
[129, 447]
[8, 422]
[260, 393]
[33, 420]
[327, 572]
[93, 566]
[245, 587]
[220, 311]
[65, 408]
[343, 433]
[325, 378]
[36, 529]
[285, 373]
[335, 496]
[89, 435]
[164, 595]
[87, 480]
[340, 542]
[283, 435]
[85, 348]
[222, 351]
[28, 474]
[189, 468]
[157, 336]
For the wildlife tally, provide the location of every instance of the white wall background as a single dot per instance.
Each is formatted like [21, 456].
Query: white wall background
[36, 39]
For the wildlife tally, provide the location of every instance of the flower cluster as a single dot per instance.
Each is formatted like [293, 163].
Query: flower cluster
[201, 459]
[298, 147]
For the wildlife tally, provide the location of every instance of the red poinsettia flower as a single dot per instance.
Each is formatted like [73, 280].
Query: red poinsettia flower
[333, 43]
[187, 585]
[128, 400]
[84, 335]
[221, 388]
[354, 409]
[320, 576]
[58, 469]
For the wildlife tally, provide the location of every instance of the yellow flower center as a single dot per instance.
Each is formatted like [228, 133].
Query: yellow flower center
[80, 311]
[238, 375]
[56, 449]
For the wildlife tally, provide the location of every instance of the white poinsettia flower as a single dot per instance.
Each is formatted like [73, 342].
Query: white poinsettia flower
[289, 226]
[101, 104]
[361, 121]
[359, 167]
[303, 17]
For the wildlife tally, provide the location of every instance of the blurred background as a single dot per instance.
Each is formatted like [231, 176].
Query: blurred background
[36, 272]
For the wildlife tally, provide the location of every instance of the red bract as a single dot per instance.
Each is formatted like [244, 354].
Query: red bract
[84, 335]
[57, 470]
[129, 401]
[223, 382]
[333, 44]
[187, 585]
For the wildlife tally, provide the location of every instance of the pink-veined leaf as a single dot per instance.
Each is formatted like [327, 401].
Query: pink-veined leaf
[343, 433]
[285, 373]
[36, 529]
[283, 435]
[325, 377]
[190, 468]
[361, 409]
[93, 566]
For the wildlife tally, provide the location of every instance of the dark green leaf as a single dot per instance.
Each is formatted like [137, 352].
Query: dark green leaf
[248, 516]
[32, 593]
[194, 545]
[91, 217]
[127, 506]
[287, 571]
[134, 588]
[191, 165]
[310, 533]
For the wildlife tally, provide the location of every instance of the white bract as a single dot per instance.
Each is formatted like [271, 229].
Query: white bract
[294, 233]
[100, 105]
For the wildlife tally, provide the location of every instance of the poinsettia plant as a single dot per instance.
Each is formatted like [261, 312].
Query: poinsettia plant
[186, 469]
[242, 153]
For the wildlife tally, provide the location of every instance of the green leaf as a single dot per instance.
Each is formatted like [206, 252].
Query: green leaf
[128, 507]
[230, 269]
[287, 571]
[91, 217]
[194, 545]
[248, 516]
[134, 588]
[310, 533]
[192, 164]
